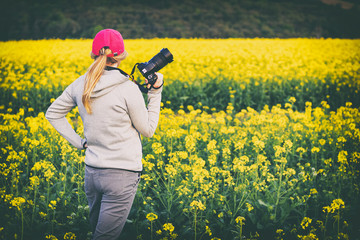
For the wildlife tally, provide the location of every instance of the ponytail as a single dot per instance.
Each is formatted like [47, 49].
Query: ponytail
[94, 73]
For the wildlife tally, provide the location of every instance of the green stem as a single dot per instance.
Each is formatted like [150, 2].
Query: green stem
[171, 145]
[64, 182]
[326, 219]
[22, 224]
[195, 222]
[78, 186]
[341, 182]
[34, 206]
[52, 222]
[151, 233]
[338, 222]
[279, 188]
[240, 230]
[170, 195]
[48, 196]
[48, 191]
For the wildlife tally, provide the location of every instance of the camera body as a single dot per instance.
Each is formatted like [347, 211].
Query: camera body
[156, 63]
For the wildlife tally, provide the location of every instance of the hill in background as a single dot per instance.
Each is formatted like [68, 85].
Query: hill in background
[31, 19]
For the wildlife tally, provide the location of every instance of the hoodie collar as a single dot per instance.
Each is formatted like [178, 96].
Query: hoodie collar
[108, 81]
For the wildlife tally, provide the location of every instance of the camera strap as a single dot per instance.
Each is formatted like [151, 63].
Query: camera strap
[142, 87]
[114, 68]
[133, 70]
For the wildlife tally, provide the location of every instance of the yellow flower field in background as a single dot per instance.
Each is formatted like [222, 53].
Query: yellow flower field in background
[237, 59]
[262, 71]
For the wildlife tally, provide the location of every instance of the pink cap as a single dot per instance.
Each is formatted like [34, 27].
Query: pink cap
[108, 38]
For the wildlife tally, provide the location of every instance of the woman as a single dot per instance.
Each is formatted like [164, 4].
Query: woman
[114, 115]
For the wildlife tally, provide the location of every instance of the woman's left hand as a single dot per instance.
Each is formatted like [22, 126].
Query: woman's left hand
[159, 81]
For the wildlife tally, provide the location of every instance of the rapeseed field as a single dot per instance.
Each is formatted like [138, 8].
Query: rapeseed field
[257, 139]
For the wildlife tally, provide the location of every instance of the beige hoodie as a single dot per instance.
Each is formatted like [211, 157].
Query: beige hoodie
[119, 116]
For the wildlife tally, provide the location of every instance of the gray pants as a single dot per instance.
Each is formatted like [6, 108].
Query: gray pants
[110, 193]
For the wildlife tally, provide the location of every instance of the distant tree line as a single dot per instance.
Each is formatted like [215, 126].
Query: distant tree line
[38, 19]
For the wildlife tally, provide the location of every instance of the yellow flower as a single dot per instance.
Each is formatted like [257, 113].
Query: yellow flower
[305, 222]
[300, 150]
[279, 150]
[240, 220]
[313, 191]
[315, 150]
[190, 143]
[70, 236]
[208, 230]
[292, 100]
[288, 144]
[197, 205]
[168, 227]
[211, 146]
[17, 202]
[46, 167]
[310, 236]
[342, 157]
[51, 237]
[336, 204]
[151, 217]
[158, 148]
[249, 207]
[43, 215]
[52, 205]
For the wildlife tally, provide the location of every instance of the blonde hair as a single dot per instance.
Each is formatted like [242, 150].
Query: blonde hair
[95, 71]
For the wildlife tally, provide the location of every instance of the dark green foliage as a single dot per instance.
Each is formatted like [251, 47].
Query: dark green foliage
[37, 19]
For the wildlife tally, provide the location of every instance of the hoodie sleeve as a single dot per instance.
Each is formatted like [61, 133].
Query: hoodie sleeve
[56, 116]
[145, 120]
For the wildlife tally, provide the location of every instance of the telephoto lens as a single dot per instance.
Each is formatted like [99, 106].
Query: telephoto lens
[156, 63]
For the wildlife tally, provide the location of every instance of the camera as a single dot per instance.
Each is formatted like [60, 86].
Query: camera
[156, 63]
